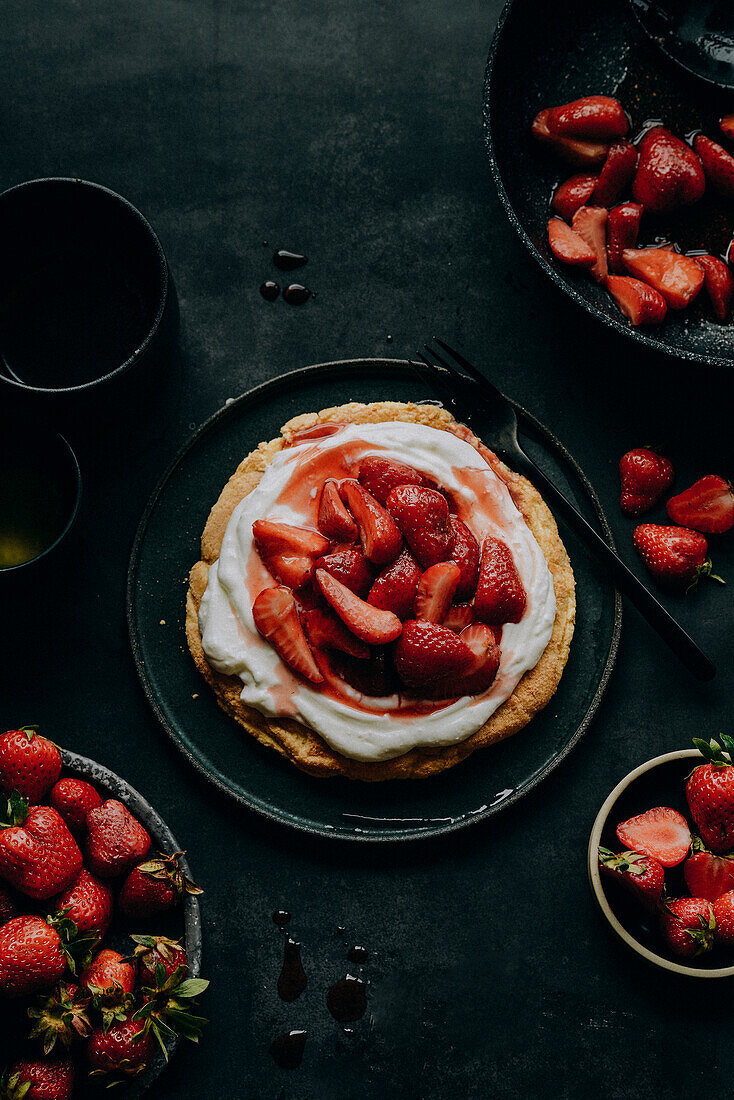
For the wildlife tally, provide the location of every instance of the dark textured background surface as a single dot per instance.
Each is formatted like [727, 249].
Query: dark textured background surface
[353, 132]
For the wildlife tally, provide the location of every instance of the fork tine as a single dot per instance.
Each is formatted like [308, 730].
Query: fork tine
[440, 379]
[476, 374]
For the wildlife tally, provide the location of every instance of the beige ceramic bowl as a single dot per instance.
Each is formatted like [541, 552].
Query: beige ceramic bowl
[597, 883]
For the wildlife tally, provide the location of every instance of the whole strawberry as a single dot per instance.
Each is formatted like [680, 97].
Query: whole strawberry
[116, 841]
[687, 926]
[644, 477]
[31, 956]
[87, 902]
[107, 972]
[724, 916]
[154, 951]
[38, 854]
[60, 1016]
[708, 875]
[676, 556]
[154, 886]
[710, 794]
[39, 1079]
[642, 875]
[74, 798]
[29, 764]
[123, 1051]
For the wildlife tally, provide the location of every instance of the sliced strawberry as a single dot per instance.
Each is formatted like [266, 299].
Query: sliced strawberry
[481, 673]
[276, 618]
[590, 222]
[325, 630]
[426, 654]
[380, 475]
[678, 278]
[573, 150]
[669, 174]
[661, 833]
[436, 590]
[707, 506]
[380, 537]
[369, 624]
[618, 170]
[334, 519]
[640, 303]
[288, 552]
[500, 594]
[717, 164]
[349, 566]
[567, 246]
[320, 430]
[423, 516]
[394, 589]
[623, 226]
[592, 118]
[727, 125]
[458, 617]
[573, 193]
[719, 285]
[466, 555]
[708, 875]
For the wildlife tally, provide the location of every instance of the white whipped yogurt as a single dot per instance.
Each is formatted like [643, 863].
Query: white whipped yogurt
[373, 729]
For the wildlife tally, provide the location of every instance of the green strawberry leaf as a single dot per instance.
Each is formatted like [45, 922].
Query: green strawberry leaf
[192, 987]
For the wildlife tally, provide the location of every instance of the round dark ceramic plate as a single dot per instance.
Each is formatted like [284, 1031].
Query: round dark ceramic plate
[167, 545]
[184, 922]
[547, 54]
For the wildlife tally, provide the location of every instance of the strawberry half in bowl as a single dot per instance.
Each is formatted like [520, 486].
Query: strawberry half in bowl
[661, 865]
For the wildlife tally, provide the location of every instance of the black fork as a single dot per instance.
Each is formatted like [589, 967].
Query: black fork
[474, 398]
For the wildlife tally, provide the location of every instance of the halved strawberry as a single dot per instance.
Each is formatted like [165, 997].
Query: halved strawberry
[719, 285]
[394, 589]
[435, 591]
[288, 552]
[573, 150]
[618, 170]
[334, 520]
[427, 653]
[717, 164]
[380, 537]
[708, 875]
[592, 117]
[465, 553]
[642, 875]
[380, 475]
[349, 566]
[640, 303]
[369, 624]
[590, 222]
[727, 125]
[458, 617]
[423, 516]
[500, 594]
[325, 630]
[276, 618]
[623, 226]
[707, 506]
[678, 278]
[567, 246]
[573, 193]
[662, 833]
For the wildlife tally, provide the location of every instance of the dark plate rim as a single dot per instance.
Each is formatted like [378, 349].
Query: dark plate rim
[214, 777]
[553, 274]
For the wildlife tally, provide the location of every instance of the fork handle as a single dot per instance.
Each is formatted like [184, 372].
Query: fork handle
[649, 607]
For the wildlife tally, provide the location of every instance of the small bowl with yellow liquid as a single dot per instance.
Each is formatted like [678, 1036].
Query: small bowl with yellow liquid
[40, 490]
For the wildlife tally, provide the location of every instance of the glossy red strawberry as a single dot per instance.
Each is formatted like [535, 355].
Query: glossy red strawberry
[369, 624]
[380, 538]
[500, 594]
[435, 591]
[669, 174]
[707, 506]
[641, 304]
[616, 174]
[276, 618]
[116, 840]
[676, 556]
[592, 117]
[687, 926]
[678, 278]
[708, 875]
[87, 902]
[38, 856]
[428, 654]
[32, 956]
[325, 630]
[576, 151]
[74, 798]
[623, 227]
[123, 1051]
[154, 886]
[718, 283]
[380, 475]
[590, 222]
[108, 972]
[394, 589]
[351, 567]
[568, 246]
[642, 875]
[573, 193]
[40, 1079]
[481, 642]
[644, 477]
[710, 794]
[29, 764]
[718, 165]
[154, 951]
[661, 833]
[288, 552]
[423, 517]
[723, 908]
[458, 617]
[334, 520]
[466, 554]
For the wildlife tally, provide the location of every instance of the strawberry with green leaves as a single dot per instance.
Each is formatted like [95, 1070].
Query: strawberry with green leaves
[60, 1016]
[154, 886]
[38, 1079]
[29, 764]
[151, 952]
[168, 1000]
[707, 874]
[687, 926]
[710, 794]
[676, 556]
[122, 1051]
[641, 875]
[110, 980]
[88, 903]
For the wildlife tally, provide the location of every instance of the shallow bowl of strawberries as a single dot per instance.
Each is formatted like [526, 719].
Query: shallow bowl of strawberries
[661, 860]
[100, 935]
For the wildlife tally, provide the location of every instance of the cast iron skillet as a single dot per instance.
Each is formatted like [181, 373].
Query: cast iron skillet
[547, 54]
